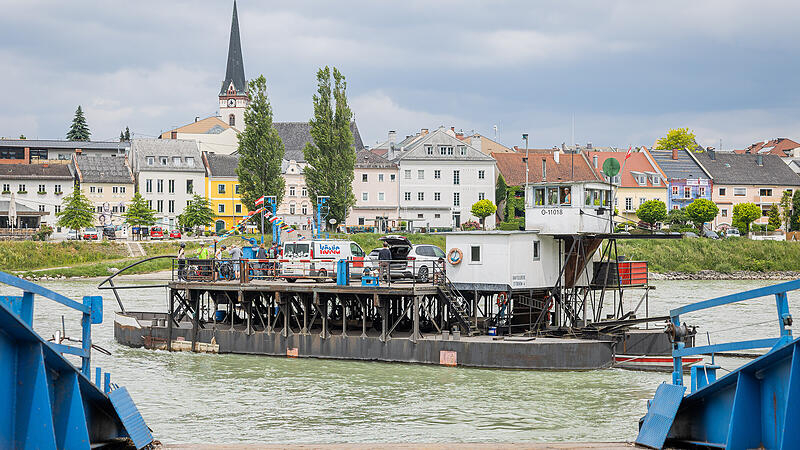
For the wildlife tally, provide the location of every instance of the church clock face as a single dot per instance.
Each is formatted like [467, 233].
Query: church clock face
[231, 102]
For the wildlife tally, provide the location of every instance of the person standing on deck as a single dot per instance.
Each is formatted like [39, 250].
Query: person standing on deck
[236, 257]
[182, 262]
[261, 255]
[384, 258]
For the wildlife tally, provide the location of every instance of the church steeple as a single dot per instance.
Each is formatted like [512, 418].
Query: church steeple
[234, 73]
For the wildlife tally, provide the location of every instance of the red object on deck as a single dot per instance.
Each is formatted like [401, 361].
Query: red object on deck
[632, 272]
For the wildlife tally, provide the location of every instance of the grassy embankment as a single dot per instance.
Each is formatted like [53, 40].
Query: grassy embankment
[80, 258]
[725, 255]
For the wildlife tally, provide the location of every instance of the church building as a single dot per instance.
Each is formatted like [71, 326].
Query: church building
[218, 134]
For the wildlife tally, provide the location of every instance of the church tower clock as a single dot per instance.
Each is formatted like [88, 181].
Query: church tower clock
[233, 94]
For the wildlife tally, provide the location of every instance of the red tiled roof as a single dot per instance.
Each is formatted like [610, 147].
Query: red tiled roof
[380, 151]
[512, 166]
[779, 146]
[637, 162]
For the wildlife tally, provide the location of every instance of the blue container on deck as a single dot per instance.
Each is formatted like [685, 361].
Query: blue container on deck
[219, 316]
[492, 331]
[342, 273]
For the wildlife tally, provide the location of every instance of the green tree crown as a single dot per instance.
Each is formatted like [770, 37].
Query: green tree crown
[701, 211]
[79, 130]
[744, 214]
[138, 213]
[483, 209]
[652, 212]
[76, 211]
[678, 138]
[198, 213]
[260, 149]
[331, 156]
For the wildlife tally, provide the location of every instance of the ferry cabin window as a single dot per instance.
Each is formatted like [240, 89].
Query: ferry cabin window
[596, 197]
[536, 250]
[475, 253]
[552, 196]
[538, 197]
[565, 195]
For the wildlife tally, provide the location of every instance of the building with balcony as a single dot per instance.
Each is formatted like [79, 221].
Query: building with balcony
[687, 179]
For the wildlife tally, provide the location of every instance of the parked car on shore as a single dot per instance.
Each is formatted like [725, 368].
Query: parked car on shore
[175, 234]
[109, 233]
[90, 234]
[732, 232]
[156, 233]
[73, 235]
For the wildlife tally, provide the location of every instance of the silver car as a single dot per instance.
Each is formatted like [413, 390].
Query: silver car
[408, 260]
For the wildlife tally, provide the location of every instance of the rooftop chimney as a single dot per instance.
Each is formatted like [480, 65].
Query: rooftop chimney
[712, 154]
[594, 161]
[674, 153]
[392, 136]
[588, 146]
[453, 129]
[760, 160]
[424, 131]
[556, 156]
[392, 139]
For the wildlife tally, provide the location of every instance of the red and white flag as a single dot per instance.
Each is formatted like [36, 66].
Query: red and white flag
[260, 201]
[630, 150]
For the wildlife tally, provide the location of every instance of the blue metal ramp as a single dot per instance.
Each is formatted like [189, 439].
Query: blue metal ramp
[45, 401]
[754, 406]
[659, 417]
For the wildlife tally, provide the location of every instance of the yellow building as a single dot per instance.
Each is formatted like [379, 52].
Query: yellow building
[222, 189]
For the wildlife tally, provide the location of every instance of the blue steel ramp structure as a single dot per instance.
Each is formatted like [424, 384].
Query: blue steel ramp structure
[45, 401]
[754, 406]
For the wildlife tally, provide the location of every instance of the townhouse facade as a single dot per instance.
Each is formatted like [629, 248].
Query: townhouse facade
[168, 175]
[223, 191]
[746, 178]
[376, 188]
[37, 188]
[108, 183]
[440, 178]
[640, 179]
[687, 180]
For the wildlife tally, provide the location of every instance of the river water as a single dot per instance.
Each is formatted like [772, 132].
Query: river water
[204, 398]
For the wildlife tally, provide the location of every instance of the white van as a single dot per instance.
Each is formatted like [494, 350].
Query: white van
[317, 258]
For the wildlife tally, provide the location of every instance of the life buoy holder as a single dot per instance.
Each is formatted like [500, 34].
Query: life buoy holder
[454, 256]
[502, 298]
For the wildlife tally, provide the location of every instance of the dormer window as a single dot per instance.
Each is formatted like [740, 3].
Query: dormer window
[446, 150]
[190, 161]
[641, 179]
[151, 160]
[176, 160]
[655, 180]
[462, 150]
[429, 149]
[162, 160]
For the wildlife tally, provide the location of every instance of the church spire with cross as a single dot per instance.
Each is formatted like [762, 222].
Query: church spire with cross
[233, 93]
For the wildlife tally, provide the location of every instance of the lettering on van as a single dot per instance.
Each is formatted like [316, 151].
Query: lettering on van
[552, 212]
[329, 249]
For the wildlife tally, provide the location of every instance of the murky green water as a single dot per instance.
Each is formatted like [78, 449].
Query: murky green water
[229, 398]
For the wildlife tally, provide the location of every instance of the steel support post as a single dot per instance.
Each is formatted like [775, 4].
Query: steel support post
[305, 315]
[363, 317]
[171, 319]
[415, 334]
[324, 305]
[194, 299]
[269, 315]
[284, 305]
[344, 315]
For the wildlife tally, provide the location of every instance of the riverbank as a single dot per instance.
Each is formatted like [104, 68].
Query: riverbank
[714, 275]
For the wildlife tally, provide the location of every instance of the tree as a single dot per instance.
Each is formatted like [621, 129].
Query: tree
[79, 130]
[652, 212]
[121, 136]
[795, 221]
[331, 156]
[774, 217]
[76, 211]
[786, 209]
[260, 149]
[482, 209]
[701, 211]
[744, 214]
[500, 193]
[679, 138]
[198, 213]
[138, 213]
[22, 136]
[127, 134]
[677, 217]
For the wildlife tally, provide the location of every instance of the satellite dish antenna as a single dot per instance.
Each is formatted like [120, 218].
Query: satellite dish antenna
[611, 167]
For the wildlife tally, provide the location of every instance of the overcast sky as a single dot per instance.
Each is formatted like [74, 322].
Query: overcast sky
[625, 70]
